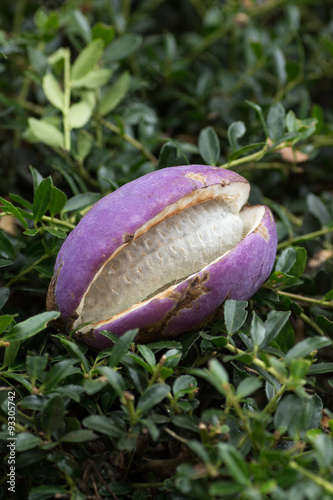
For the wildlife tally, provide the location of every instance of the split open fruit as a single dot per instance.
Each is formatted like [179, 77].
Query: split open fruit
[162, 254]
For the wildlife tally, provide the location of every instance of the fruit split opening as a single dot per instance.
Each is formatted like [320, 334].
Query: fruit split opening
[182, 240]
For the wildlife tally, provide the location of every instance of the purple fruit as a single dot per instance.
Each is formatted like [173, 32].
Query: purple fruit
[162, 254]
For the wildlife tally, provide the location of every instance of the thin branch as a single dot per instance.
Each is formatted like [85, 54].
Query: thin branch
[138, 145]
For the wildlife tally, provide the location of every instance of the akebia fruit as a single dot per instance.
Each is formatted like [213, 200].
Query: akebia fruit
[162, 254]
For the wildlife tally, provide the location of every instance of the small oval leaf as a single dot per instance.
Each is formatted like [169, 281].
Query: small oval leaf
[209, 146]
[53, 91]
[46, 133]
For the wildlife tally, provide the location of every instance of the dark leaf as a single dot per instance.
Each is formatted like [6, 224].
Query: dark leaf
[305, 347]
[122, 47]
[7, 251]
[235, 131]
[234, 315]
[52, 415]
[209, 146]
[276, 121]
[152, 396]
[79, 436]
[31, 326]
[57, 202]
[121, 347]
[42, 198]
[9, 208]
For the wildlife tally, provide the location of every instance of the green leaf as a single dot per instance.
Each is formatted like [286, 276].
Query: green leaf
[147, 354]
[329, 295]
[122, 47]
[7, 251]
[317, 112]
[276, 121]
[209, 146]
[184, 384]
[83, 145]
[290, 414]
[79, 114]
[248, 386]
[260, 112]
[244, 150]
[139, 361]
[79, 436]
[46, 133]
[324, 449]
[223, 488]
[103, 424]
[5, 321]
[292, 123]
[31, 326]
[94, 79]
[46, 492]
[74, 350]
[71, 391]
[58, 233]
[19, 200]
[152, 396]
[283, 216]
[218, 340]
[280, 64]
[121, 347]
[171, 156]
[234, 314]
[218, 374]
[115, 380]
[292, 261]
[305, 347]
[321, 368]
[299, 368]
[103, 31]
[235, 131]
[59, 372]
[114, 94]
[35, 365]
[42, 198]
[235, 463]
[26, 441]
[187, 341]
[53, 91]
[57, 202]
[286, 338]
[199, 450]
[36, 178]
[307, 128]
[80, 24]
[317, 208]
[80, 202]
[257, 330]
[5, 262]
[87, 59]
[52, 415]
[273, 325]
[172, 358]
[9, 208]
[31, 232]
[10, 353]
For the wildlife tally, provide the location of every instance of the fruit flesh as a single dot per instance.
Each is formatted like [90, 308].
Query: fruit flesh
[163, 256]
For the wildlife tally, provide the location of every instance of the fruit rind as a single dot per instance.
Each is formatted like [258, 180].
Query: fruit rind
[114, 221]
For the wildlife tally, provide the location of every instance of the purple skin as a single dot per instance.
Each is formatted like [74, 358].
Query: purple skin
[197, 300]
[113, 220]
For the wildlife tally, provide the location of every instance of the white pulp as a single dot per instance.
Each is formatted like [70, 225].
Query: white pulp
[163, 256]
